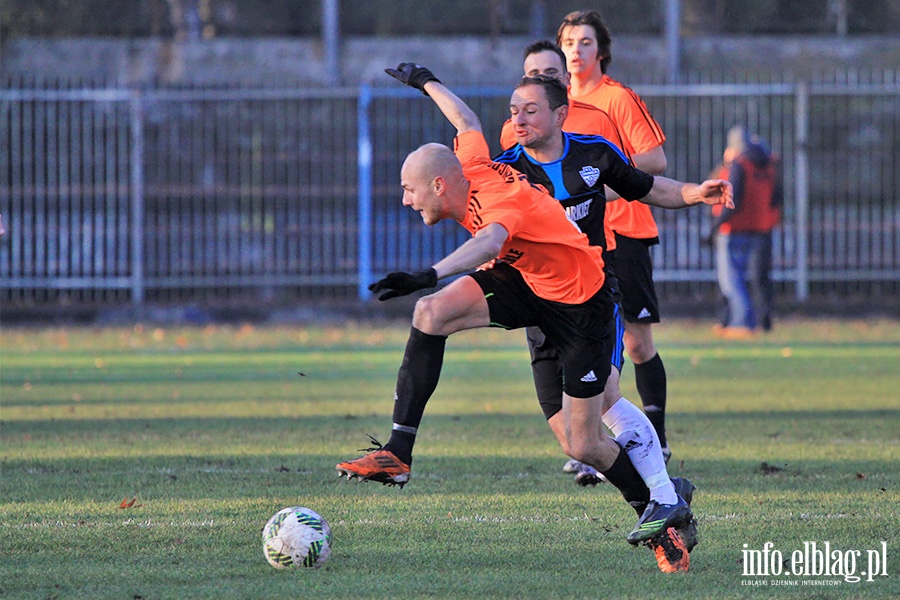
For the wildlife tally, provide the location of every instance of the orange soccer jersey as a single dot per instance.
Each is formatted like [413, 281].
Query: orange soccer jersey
[586, 119]
[550, 252]
[640, 133]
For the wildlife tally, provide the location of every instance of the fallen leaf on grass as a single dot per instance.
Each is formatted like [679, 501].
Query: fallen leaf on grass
[130, 503]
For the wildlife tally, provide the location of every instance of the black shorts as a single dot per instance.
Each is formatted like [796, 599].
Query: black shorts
[634, 271]
[582, 334]
[546, 371]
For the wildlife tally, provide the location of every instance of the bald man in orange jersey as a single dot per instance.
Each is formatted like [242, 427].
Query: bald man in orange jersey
[546, 274]
[585, 41]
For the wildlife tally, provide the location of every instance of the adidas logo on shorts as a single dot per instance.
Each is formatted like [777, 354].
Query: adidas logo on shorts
[590, 377]
[644, 313]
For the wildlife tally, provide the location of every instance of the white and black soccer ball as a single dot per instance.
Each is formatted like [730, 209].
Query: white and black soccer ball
[296, 537]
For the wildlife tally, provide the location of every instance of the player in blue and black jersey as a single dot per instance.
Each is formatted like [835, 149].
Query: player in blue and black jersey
[574, 169]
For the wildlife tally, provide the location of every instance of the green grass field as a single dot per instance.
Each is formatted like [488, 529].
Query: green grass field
[790, 439]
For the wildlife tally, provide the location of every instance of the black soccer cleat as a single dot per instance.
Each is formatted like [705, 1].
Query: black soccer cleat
[588, 476]
[659, 517]
[688, 532]
[684, 488]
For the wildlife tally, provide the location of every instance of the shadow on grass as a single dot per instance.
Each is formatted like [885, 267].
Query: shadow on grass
[474, 455]
[489, 423]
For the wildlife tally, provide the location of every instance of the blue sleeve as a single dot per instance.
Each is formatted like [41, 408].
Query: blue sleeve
[625, 179]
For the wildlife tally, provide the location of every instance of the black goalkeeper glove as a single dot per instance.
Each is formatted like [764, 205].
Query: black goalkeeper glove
[412, 75]
[401, 284]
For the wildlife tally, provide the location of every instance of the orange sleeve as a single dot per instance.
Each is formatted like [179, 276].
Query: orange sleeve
[496, 182]
[471, 145]
[507, 136]
[639, 133]
[637, 125]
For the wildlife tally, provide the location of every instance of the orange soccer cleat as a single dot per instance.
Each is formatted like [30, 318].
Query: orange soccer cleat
[380, 465]
[671, 554]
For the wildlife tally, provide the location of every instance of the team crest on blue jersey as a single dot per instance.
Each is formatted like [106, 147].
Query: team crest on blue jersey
[590, 175]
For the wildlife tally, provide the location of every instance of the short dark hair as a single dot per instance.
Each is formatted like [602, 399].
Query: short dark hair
[593, 19]
[544, 46]
[556, 93]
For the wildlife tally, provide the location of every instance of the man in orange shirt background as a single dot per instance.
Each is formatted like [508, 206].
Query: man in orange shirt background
[586, 43]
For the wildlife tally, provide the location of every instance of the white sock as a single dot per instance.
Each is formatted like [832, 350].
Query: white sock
[635, 433]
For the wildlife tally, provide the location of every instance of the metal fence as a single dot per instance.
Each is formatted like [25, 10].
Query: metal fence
[137, 195]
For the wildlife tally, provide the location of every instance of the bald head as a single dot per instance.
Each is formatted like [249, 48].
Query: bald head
[434, 184]
[431, 161]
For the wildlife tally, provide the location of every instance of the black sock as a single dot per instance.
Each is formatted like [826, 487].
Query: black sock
[650, 378]
[416, 381]
[627, 480]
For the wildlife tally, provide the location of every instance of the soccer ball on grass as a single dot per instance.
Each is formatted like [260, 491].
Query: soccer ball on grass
[296, 537]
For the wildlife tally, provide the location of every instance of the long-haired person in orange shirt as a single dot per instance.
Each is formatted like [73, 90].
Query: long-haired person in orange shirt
[586, 43]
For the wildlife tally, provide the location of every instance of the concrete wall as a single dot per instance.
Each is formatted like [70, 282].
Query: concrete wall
[459, 60]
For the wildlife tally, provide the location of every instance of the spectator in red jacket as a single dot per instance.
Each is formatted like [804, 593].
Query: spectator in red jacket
[745, 236]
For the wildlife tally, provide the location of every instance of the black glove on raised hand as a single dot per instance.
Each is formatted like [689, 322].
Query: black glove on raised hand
[412, 75]
[401, 284]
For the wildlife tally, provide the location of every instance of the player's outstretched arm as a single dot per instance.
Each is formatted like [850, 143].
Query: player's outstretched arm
[483, 247]
[668, 193]
[457, 112]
